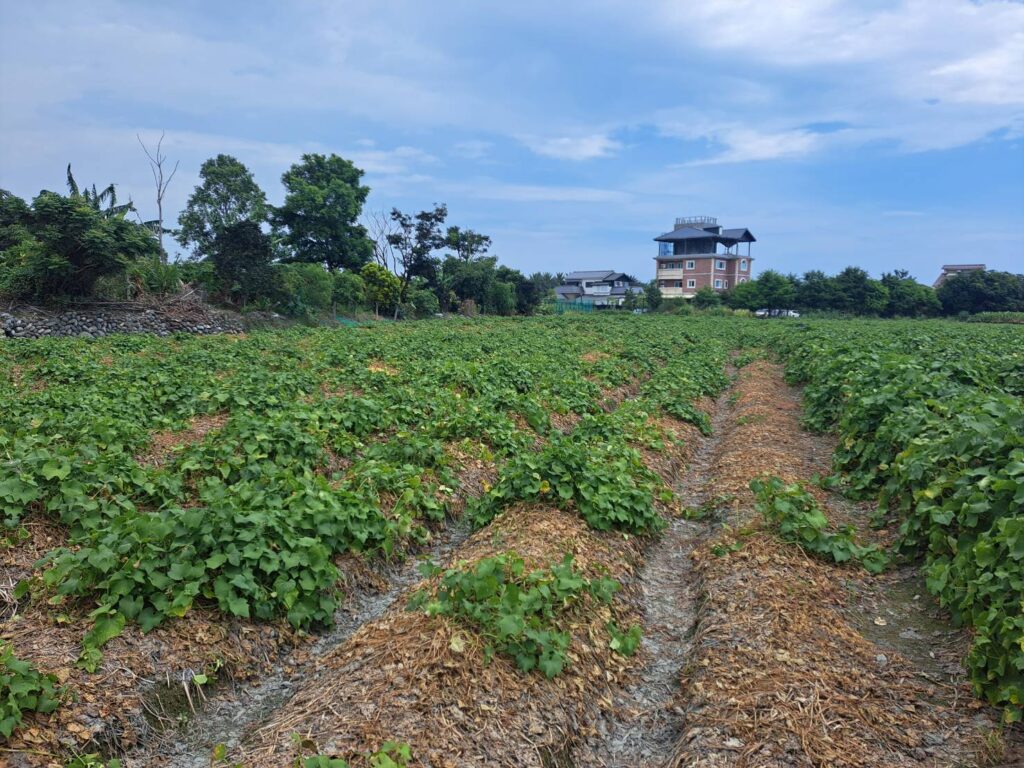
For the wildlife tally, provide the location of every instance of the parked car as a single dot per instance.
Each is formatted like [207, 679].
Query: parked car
[776, 313]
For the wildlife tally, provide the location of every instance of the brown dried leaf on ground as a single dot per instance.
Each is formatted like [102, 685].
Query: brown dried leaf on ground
[163, 444]
[422, 680]
[476, 472]
[379, 366]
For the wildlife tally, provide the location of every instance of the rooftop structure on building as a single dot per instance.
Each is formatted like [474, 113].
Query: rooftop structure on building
[700, 253]
[949, 270]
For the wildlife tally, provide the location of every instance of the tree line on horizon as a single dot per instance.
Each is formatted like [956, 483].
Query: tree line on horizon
[318, 250]
[853, 292]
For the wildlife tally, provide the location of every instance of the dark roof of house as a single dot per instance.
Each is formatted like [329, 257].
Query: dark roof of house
[564, 290]
[742, 235]
[596, 274]
[739, 235]
[684, 233]
[967, 267]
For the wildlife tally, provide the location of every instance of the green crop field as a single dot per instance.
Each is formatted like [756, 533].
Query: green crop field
[235, 474]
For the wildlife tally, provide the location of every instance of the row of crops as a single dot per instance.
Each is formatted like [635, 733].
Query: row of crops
[324, 442]
[930, 421]
[290, 449]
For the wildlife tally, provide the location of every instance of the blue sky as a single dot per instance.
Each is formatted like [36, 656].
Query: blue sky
[881, 134]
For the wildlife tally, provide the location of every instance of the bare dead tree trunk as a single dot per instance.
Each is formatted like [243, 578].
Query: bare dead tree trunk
[156, 165]
[379, 225]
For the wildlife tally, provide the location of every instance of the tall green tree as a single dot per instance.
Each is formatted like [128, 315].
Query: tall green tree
[466, 243]
[908, 298]
[706, 298]
[226, 195]
[745, 296]
[653, 295]
[414, 240]
[241, 254]
[982, 291]
[816, 290]
[775, 291]
[859, 294]
[319, 218]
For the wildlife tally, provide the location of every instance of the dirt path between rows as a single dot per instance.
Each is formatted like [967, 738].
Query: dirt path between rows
[643, 725]
[227, 714]
[782, 670]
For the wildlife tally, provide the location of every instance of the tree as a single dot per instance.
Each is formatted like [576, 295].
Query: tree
[816, 290]
[466, 243]
[745, 296]
[775, 290]
[383, 288]
[857, 293]
[228, 194]
[241, 254]
[527, 296]
[306, 289]
[414, 241]
[60, 246]
[97, 199]
[349, 289]
[501, 298]
[908, 298]
[318, 220]
[706, 297]
[156, 165]
[380, 227]
[982, 291]
[653, 294]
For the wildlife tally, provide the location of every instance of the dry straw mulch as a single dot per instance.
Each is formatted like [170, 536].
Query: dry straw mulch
[422, 680]
[779, 677]
[114, 708]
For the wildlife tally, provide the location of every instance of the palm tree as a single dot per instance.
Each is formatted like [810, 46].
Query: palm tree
[96, 199]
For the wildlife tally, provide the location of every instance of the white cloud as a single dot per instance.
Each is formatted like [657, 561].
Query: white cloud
[472, 150]
[536, 193]
[573, 147]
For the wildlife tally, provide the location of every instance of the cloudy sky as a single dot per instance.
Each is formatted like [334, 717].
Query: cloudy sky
[880, 133]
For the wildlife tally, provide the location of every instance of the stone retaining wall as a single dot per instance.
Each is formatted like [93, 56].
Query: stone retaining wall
[99, 321]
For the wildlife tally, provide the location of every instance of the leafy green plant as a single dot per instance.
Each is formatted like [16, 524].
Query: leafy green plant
[92, 760]
[930, 422]
[23, 689]
[517, 612]
[608, 484]
[624, 643]
[799, 520]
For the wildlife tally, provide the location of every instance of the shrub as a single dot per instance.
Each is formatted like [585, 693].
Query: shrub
[799, 521]
[518, 613]
[60, 246]
[349, 289]
[306, 289]
[424, 302]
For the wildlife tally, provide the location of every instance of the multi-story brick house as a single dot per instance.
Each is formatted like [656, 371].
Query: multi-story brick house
[698, 253]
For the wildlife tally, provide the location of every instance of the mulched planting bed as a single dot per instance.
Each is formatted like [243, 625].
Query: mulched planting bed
[779, 677]
[422, 680]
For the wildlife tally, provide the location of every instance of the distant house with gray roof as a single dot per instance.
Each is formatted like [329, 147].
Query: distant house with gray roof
[598, 287]
[951, 270]
[699, 253]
